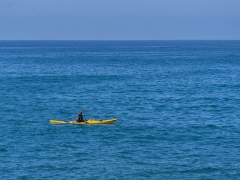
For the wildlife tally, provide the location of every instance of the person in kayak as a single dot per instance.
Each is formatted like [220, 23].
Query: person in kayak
[80, 117]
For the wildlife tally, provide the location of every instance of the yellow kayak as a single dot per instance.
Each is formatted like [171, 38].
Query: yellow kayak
[90, 121]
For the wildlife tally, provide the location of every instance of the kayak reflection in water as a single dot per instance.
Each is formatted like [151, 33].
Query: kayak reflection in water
[80, 117]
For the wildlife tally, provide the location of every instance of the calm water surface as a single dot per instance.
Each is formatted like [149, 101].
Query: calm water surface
[177, 102]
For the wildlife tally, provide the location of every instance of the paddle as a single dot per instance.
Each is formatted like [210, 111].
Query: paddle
[84, 117]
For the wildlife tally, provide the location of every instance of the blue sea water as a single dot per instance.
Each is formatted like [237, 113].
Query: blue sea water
[177, 104]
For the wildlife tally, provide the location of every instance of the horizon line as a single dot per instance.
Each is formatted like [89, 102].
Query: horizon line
[120, 40]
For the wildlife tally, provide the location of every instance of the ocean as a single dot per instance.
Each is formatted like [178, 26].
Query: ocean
[177, 104]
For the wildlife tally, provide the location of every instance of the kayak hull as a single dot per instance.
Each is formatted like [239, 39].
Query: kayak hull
[89, 122]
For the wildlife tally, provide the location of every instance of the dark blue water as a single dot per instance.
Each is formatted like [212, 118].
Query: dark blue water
[177, 102]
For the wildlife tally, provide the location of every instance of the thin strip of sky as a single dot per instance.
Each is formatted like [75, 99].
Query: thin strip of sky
[119, 20]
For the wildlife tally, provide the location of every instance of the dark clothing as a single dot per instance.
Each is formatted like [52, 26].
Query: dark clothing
[80, 117]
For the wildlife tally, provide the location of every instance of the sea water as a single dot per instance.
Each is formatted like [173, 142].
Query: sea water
[177, 104]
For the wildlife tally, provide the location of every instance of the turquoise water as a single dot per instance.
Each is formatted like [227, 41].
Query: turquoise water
[177, 102]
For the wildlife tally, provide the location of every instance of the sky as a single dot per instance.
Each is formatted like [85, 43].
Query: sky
[119, 19]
